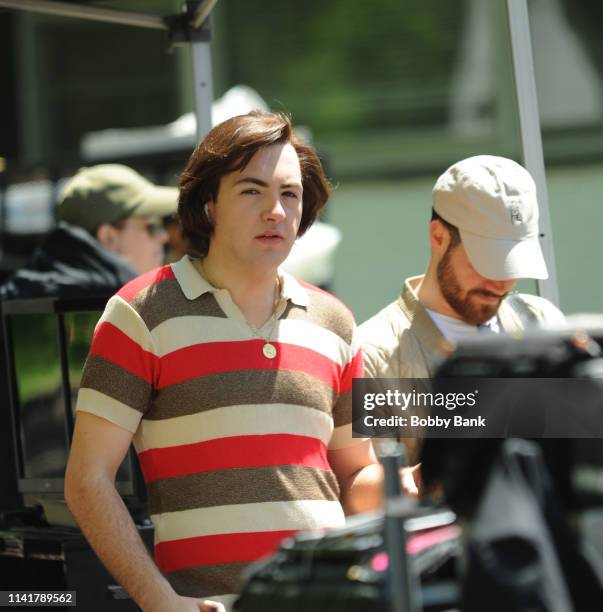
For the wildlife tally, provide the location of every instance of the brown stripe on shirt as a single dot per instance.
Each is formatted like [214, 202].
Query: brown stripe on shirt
[241, 486]
[108, 378]
[342, 412]
[161, 301]
[242, 387]
[324, 311]
[207, 581]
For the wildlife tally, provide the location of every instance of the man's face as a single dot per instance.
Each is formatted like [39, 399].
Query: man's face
[140, 240]
[474, 298]
[257, 213]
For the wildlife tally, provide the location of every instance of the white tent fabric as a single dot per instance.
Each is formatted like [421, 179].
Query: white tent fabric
[178, 135]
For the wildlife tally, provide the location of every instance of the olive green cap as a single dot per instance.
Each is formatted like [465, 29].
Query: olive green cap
[109, 192]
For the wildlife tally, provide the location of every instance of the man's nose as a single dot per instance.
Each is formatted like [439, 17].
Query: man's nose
[275, 211]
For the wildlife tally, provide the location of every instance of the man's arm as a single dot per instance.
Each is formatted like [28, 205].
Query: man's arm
[97, 450]
[360, 477]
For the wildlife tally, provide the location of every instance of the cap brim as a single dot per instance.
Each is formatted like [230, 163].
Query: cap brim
[158, 202]
[505, 259]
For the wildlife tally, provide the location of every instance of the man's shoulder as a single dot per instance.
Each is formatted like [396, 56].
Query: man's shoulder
[543, 310]
[326, 307]
[144, 284]
[379, 338]
[386, 323]
[317, 294]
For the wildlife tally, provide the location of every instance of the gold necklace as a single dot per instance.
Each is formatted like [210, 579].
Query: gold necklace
[269, 350]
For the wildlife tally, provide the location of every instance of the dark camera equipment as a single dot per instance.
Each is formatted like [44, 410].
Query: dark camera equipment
[46, 341]
[463, 466]
[399, 560]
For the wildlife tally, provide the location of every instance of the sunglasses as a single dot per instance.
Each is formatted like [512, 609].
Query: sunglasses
[153, 228]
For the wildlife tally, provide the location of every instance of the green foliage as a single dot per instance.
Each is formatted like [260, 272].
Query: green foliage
[37, 351]
[341, 64]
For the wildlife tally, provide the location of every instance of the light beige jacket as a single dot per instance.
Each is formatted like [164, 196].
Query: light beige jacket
[401, 341]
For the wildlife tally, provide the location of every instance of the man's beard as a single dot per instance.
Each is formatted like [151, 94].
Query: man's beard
[464, 304]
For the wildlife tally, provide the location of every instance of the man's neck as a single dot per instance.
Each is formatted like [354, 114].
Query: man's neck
[253, 289]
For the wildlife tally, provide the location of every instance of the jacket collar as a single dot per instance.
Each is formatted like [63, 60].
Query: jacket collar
[421, 324]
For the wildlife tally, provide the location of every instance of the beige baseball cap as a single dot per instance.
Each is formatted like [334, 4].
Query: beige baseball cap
[109, 192]
[492, 200]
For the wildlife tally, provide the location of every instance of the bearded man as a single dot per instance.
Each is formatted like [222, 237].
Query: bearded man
[483, 236]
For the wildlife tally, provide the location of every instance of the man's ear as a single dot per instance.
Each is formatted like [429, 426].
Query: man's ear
[439, 237]
[107, 236]
[208, 209]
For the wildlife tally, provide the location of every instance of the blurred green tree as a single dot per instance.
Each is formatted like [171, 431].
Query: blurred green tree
[338, 65]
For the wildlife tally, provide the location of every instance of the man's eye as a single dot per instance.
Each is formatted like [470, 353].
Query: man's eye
[250, 191]
[291, 194]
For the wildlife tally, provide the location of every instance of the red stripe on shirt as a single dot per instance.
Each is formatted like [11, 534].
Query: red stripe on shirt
[354, 369]
[117, 347]
[200, 551]
[233, 452]
[216, 357]
[136, 285]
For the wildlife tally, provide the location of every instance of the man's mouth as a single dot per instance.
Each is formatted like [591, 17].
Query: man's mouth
[488, 296]
[270, 236]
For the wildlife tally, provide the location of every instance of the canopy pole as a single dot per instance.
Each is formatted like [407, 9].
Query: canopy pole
[202, 82]
[531, 137]
[196, 31]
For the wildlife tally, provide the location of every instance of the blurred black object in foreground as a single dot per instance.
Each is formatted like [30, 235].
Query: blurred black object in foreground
[346, 569]
[399, 560]
[522, 555]
[576, 465]
[524, 499]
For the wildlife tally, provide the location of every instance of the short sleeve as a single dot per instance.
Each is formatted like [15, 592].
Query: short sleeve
[342, 411]
[119, 374]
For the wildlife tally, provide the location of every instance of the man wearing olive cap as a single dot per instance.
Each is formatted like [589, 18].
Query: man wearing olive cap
[109, 231]
[483, 237]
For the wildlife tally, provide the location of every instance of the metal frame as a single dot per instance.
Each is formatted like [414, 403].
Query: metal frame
[79, 11]
[531, 137]
[202, 13]
[196, 24]
[133, 488]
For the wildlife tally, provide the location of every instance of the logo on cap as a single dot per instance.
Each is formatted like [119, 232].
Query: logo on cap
[516, 218]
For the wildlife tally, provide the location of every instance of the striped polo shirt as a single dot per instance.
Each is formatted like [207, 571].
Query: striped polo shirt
[233, 445]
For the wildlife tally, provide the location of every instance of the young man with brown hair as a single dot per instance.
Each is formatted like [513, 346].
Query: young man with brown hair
[232, 378]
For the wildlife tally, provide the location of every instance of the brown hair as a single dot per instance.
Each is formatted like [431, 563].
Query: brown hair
[228, 148]
[453, 230]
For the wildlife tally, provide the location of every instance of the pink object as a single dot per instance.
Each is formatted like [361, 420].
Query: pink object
[417, 543]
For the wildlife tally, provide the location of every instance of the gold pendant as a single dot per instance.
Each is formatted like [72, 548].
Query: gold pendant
[269, 350]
